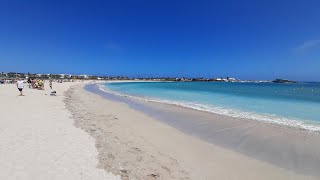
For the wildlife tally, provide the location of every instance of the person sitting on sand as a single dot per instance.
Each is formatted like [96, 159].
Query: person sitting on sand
[20, 86]
[53, 93]
[40, 85]
[34, 84]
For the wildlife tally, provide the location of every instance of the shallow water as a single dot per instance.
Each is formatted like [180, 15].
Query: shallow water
[295, 105]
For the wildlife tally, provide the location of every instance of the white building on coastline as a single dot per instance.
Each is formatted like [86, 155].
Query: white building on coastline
[62, 76]
[84, 76]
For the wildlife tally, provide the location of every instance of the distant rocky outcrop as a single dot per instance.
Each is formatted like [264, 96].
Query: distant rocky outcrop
[282, 81]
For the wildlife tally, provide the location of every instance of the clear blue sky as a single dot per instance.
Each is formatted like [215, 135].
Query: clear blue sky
[256, 39]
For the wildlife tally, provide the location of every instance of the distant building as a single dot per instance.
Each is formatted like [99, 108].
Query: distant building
[84, 76]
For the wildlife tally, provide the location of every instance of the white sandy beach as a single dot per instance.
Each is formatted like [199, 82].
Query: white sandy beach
[80, 135]
[39, 141]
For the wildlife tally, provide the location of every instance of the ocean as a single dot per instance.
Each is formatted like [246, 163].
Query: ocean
[295, 105]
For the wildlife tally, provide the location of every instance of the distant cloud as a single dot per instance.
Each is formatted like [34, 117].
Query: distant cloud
[307, 45]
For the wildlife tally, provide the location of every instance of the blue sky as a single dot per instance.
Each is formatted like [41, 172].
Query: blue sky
[243, 39]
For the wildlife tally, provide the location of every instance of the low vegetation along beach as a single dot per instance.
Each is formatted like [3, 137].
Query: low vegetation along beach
[82, 132]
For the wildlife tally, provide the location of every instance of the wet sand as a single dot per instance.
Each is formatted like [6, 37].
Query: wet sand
[149, 140]
[289, 148]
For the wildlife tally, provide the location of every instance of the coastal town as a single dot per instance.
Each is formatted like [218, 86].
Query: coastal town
[6, 77]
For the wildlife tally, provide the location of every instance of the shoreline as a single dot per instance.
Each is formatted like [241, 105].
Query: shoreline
[286, 147]
[289, 148]
[121, 150]
[196, 158]
[309, 126]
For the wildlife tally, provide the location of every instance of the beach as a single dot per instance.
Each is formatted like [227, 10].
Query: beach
[134, 144]
[38, 139]
[159, 90]
[83, 134]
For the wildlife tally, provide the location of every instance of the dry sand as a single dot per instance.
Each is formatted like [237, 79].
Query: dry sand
[39, 141]
[136, 146]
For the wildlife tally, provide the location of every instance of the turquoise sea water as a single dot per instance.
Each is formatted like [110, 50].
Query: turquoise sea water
[295, 105]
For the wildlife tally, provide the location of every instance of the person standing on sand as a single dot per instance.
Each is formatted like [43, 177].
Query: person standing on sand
[42, 84]
[29, 83]
[20, 86]
[50, 83]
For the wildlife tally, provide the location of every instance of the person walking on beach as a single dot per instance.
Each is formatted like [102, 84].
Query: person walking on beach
[20, 86]
[50, 83]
